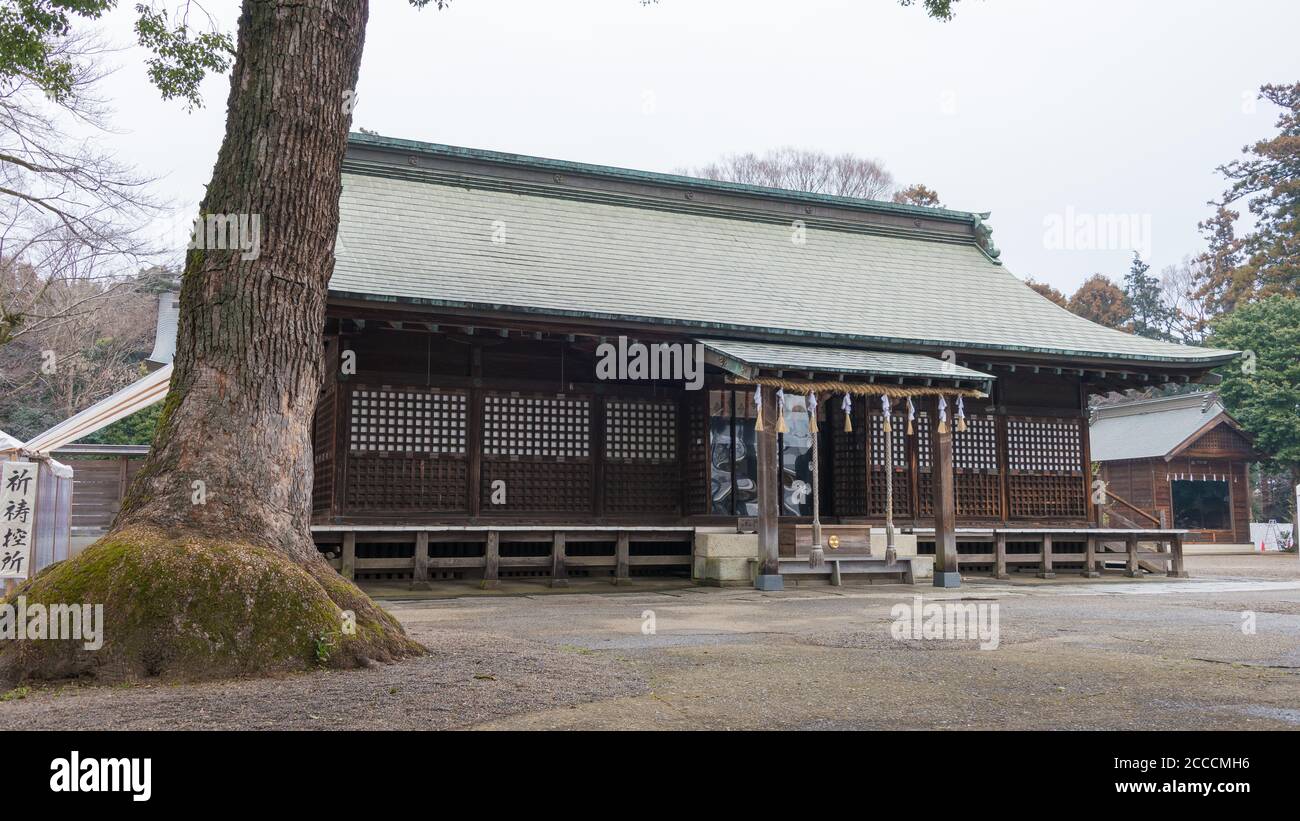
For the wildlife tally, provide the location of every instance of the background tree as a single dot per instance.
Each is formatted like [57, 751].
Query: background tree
[802, 169]
[1267, 260]
[1048, 291]
[1144, 300]
[1189, 312]
[214, 534]
[1100, 300]
[88, 338]
[1221, 281]
[918, 194]
[71, 217]
[1262, 390]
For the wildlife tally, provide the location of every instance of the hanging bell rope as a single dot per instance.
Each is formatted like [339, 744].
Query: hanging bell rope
[854, 388]
[891, 555]
[816, 556]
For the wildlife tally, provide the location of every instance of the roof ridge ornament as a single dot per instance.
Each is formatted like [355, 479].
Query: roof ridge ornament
[984, 236]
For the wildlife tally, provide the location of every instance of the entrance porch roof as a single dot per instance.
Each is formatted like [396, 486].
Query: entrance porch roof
[745, 359]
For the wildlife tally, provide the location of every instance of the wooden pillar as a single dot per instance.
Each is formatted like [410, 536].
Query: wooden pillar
[945, 506]
[1176, 559]
[1090, 558]
[1131, 568]
[1000, 557]
[349, 563]
[474, 451]
[769, 489]
[491, 559]
[621, 552]
[1045, 569]
[420, 575]
[559, 572]
[123, 466]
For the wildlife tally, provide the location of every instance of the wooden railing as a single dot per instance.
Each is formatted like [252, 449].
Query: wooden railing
[1144, 518]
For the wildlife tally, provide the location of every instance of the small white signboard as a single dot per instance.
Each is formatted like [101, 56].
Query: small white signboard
[17, 517]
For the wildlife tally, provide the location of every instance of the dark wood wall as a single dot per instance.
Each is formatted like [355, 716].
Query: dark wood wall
[418, 423]
[1221, 451]
[479, 426]
[1015, 462]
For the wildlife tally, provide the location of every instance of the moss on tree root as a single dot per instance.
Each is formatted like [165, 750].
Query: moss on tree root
[185, 608]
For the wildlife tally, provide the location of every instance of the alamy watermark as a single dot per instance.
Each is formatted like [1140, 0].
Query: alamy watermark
[1082, 231]
[216, 232]
[66, 622]
[947, 621]
[659, 361]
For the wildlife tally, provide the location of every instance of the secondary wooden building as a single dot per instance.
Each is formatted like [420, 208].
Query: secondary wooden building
[1183, 460]
[470, 425]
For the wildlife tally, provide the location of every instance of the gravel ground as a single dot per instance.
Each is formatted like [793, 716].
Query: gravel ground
[1110, 654]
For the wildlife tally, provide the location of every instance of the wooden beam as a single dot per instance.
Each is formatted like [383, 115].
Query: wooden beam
[420, 575]
[1045, 569]
[559, 571]
[946, 573]
[769, 487]
[1000, 558]
[1176, 559]
[491, 560]
[621, 552]
[349, 563]
[1131, 567]
[1090, 558]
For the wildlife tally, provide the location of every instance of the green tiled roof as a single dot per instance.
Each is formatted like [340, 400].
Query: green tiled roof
[1149, 428]
[432, 242]
[841, 360]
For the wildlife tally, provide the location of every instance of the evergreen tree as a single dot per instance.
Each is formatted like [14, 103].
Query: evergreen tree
[1149, 316]
[1262, 390]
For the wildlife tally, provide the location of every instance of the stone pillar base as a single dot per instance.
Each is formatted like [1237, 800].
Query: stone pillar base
[770, 582]
[947, 578]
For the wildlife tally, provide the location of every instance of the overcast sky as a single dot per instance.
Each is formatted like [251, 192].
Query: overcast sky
[1047, 114]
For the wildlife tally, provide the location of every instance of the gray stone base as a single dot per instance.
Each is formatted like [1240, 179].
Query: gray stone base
[1181, 574]
[1091, 574]
[769, 582]
[947, 579]
[1047, 575]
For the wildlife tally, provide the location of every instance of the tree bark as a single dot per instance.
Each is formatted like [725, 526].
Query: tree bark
[232, 455]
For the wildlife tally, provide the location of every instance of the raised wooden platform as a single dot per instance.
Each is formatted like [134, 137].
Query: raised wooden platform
[484, 542]
[1099, 546]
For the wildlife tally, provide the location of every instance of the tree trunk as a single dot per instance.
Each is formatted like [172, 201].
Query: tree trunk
[1294, 505]
[232, 455]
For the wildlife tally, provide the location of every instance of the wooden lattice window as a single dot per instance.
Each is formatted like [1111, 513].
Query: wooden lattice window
[1044, 445]
[407, 421]
[640, 430]
[898, 429]
[976, 448]
[924, 446]
[877, 491]
[549, 427]
[849, 483]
